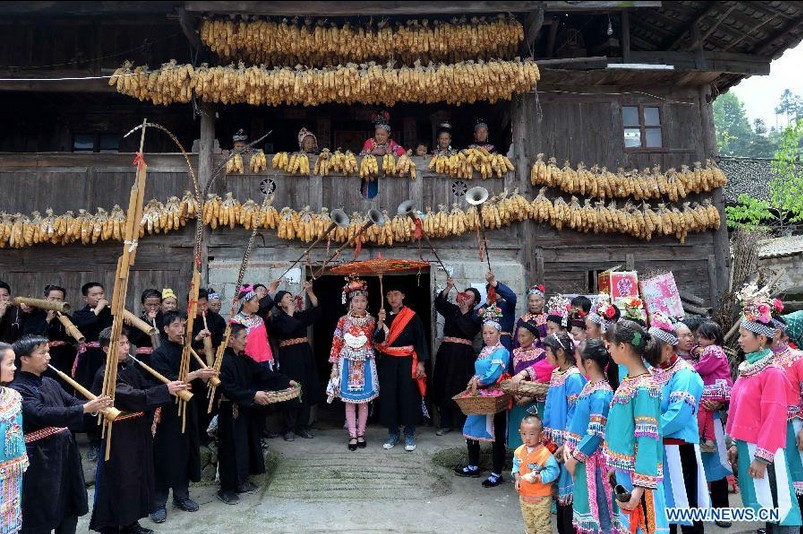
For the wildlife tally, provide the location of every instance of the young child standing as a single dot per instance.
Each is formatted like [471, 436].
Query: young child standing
[592, 507]
[534, 469]
[713, 368]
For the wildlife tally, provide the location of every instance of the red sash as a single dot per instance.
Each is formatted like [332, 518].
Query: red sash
[396, 328]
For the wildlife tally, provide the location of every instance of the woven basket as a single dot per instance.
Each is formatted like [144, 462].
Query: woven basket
[283, 394]
[473, 404]
[526, 389]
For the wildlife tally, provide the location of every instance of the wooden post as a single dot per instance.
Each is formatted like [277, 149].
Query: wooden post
[520, 112]
[625, 36]
[630, 262]
[722, 257]
[699, 50]
[205, 170]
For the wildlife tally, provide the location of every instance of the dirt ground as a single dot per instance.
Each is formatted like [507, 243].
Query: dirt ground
[318, 486]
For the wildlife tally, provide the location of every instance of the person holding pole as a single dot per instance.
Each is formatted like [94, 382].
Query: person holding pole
[53, 488]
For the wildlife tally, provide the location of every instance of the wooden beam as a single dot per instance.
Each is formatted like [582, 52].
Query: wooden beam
[54, 82]
[349, 9]
[551, 38]
[699, 51]
[713, 28]
[598, 6]
[626, 36]
[190, 28]
[533, 24]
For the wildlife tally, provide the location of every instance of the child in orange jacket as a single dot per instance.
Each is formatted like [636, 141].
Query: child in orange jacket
[534, 469]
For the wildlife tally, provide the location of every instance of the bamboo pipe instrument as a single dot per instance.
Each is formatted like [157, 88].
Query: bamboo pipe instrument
[42, 304]
[209, 350]
[139, 324]
[477, 196]
[214, 381]
[110, 414]
[184, 395]
[339, 218]
[374, 217]
[407, 208]
[71, 329]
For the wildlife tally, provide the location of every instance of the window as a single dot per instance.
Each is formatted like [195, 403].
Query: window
[83, 143]
[109, 143]
[642, 127]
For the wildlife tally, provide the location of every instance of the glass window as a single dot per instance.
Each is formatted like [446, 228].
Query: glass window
[109, 143]
[653, 138]
[83, 143]
[652, 117]
[632, 138]
[630, 116]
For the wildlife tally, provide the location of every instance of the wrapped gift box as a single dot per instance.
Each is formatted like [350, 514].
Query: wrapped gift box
[660, 293]
[619, 284]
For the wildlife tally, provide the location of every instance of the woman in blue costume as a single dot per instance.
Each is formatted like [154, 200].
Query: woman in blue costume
[490, 368]
[633, 446]
[529, 363]
[681, 388]
[561, 399]
[591, 502]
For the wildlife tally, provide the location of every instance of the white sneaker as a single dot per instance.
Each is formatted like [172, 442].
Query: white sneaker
[409, 444]
[390, 443]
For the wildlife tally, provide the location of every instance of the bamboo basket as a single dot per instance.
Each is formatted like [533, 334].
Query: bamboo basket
[472, 404]
[526, 389]
[284, 394]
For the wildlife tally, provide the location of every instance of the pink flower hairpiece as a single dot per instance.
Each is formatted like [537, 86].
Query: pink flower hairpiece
[660, 320]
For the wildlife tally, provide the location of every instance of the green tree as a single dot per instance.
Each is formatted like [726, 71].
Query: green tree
[734, 134]
[785, 187]
[790, 105]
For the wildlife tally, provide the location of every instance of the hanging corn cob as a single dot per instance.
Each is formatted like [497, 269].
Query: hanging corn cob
[641, 185]
[463, 82]
[314, 42]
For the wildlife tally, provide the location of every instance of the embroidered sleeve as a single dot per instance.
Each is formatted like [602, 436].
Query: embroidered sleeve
[773, 411]
[648, 469]
[687, 388]
[764, 454]
[498, 365]
[574, 386]
[337, 342]
[579, 455]
[595, 433]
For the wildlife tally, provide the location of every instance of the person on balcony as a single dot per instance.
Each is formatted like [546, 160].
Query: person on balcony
[307, 142]
[381, 143]
[444, 147]
[240, 140]
[481, 137]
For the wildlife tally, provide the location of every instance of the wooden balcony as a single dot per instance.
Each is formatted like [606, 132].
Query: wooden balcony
[71, 181]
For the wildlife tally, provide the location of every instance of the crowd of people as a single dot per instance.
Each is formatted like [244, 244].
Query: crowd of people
[631, 418]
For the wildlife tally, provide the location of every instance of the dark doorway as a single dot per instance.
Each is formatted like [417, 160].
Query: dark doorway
[329, 289]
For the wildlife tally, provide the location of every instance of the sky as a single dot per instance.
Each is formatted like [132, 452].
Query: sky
[761, 94]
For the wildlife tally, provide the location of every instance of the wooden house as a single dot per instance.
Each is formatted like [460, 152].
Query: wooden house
[622, 84]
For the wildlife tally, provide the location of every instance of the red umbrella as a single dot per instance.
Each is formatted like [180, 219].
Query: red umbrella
[378, 267]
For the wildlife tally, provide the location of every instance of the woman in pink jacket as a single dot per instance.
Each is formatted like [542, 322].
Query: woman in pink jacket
[757, 419]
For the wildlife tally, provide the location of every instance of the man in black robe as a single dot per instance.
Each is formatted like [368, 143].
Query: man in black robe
[454, 362]
[90, 320]
[53, 489]
[151, 302]
[242, 405]
[295, 358]
[12, 318]
[200, 333]
[402, 348]
[177, 454]
[46, 323]
[124, 484]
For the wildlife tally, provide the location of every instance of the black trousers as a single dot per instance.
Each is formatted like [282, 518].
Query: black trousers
[296, 417]
[719, 493]
[499, 449]
[400, 400]
[451, 416]
[67, 526]
[180, 492]
[564, 517]
[688, 464]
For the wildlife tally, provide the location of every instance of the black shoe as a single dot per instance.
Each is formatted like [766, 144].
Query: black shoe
[464, 471]
[247, 487]
[304, 433]
[361, 443]
[353, 446]
[159, 516]
[289, 436]
[723, 524]
[492, 481]
[136, 528]
[228, 497]
[270, 434]
[188, 505]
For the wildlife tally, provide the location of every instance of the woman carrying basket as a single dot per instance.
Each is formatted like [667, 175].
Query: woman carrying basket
[489, 368]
